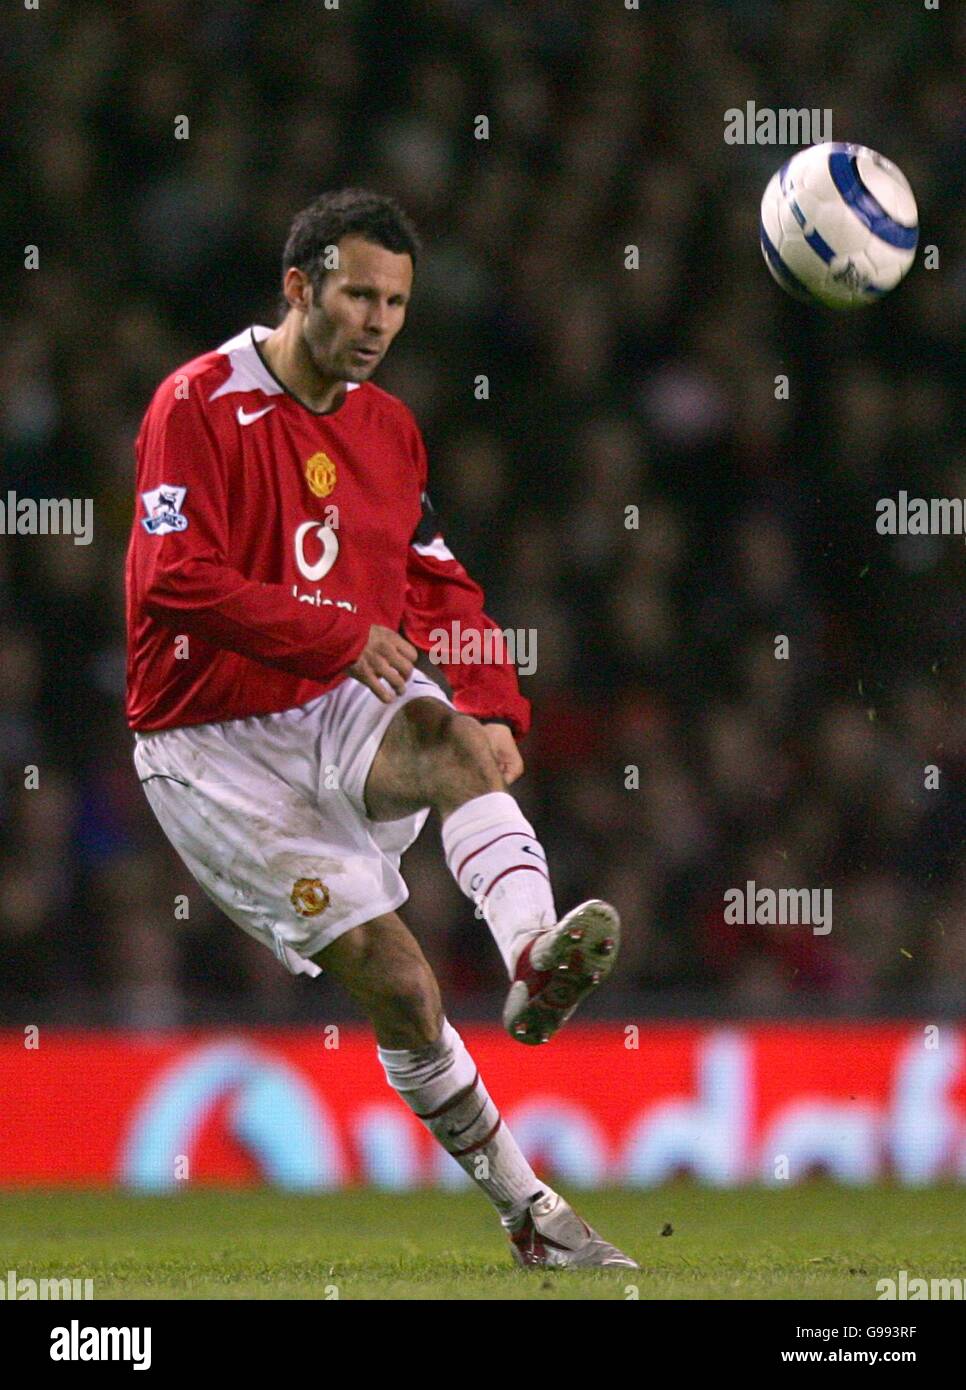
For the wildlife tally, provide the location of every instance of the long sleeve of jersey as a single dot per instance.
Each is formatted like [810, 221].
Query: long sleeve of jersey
[184, 576]
[440, 593]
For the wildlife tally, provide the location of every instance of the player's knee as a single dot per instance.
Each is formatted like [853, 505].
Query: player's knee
[459, 738]
[467, 737]
[433, 724]
[428, 723]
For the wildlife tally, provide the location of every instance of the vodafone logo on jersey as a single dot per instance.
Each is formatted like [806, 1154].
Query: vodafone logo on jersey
[316, 551]
[325, 557]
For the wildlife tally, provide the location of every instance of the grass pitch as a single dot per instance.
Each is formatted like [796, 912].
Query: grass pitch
[813, 1241]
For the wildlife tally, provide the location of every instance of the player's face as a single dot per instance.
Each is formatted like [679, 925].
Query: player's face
[360, 310]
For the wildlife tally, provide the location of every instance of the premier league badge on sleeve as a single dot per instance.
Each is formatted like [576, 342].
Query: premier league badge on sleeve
[163, 507]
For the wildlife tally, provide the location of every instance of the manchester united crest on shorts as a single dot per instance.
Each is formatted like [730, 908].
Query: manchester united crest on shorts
[309, 897]
[320, 474]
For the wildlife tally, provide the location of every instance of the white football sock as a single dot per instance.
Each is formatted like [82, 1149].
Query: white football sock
[441, 1085]
[500, 864]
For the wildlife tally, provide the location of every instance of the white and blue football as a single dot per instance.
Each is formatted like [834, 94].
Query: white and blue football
[839, 225]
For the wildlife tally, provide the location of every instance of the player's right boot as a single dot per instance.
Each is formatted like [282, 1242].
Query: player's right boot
[559, 968]
[551, 1234]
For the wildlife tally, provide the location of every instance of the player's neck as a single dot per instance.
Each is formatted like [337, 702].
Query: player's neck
[288, 358]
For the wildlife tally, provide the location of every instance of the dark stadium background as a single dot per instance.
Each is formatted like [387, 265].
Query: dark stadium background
[608, 388]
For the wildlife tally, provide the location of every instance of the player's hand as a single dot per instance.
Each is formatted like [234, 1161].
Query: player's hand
[386, 660]
[504, 748]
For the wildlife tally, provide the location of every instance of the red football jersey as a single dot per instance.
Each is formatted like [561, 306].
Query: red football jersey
[267, 540]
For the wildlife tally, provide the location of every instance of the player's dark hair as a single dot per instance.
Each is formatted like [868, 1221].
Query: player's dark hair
[334, 215]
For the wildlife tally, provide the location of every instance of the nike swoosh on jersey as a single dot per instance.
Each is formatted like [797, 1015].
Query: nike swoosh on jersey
[245, 419]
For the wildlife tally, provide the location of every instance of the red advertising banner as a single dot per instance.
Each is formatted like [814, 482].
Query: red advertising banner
[311, 1110]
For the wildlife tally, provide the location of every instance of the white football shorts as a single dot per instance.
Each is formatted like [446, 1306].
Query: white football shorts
[268, 814]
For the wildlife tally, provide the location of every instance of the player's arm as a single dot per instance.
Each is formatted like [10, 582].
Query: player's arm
[184, 578]
[440, 593]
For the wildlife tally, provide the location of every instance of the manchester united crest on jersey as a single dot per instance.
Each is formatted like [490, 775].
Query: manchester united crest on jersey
[320, 474]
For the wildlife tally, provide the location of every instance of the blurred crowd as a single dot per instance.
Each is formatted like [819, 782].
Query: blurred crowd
[676, 752]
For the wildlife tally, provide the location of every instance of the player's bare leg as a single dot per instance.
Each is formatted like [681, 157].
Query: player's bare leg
[381, 965]
[433, 756]
[430, 756]
[426, 1062]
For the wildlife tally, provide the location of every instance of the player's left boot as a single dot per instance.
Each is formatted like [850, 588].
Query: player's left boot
[550, 1233]
[559, 968]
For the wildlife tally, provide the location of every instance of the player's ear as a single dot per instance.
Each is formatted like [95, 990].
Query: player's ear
[298, 289]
